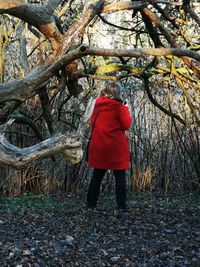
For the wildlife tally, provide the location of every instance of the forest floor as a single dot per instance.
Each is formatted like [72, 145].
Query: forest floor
[160, 230]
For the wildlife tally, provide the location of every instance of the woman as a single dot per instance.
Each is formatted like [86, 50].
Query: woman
[109, 148]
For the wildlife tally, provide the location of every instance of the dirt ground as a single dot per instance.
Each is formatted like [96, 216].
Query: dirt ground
[58, 231]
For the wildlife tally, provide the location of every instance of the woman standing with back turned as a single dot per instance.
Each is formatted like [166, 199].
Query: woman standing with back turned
[109, 148]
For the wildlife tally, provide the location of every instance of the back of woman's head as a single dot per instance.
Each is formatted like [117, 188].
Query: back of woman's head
[112, 90]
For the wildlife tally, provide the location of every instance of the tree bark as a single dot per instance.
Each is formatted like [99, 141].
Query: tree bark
[38, 16]
[171, 40]
[69, 144]
[23, 89]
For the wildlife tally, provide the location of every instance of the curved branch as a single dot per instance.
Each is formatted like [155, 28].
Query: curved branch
[38, 16]
[23, 89]
[7, 109]
[153, 100]
[114, 25]
[18, 158]
[20, 118]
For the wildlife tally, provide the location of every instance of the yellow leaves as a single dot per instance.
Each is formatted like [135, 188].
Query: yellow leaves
[192, 108]
[184, 71]
[107, 69]
[92, 60]
[117, 67]
[170, 57]
[21, 73]
[195, 47]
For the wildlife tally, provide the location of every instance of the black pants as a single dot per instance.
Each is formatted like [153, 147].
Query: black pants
[95, 184]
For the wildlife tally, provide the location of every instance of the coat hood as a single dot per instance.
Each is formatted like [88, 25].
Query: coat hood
[107, 103]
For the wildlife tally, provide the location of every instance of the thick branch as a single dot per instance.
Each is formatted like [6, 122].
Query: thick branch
[23, 89]
[173, 20]
[38, 16]
[141, 52]
[153, 33]
[123, 5]
[41, 18]
[130, 5]
[21, 157]
[46, 108]
[78, 28]
[20, 118]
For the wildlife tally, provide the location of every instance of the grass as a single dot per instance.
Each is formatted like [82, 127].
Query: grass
[14, 204]
[106, 200]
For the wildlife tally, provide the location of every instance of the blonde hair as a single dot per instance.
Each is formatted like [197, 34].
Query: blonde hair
[112, 90]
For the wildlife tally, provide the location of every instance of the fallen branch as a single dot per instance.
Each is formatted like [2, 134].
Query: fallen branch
[69, 144]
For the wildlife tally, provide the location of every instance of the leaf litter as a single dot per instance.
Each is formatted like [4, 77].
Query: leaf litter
[158, 231]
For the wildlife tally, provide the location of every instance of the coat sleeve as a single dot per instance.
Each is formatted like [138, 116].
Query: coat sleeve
[125, 118]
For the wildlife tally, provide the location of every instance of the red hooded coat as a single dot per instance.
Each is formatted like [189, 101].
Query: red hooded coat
[109, 148]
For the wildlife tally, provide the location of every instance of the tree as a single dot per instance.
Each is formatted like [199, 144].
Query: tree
[169, 28]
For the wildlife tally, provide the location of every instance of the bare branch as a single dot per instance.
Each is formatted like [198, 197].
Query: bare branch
[77, 29]
[130, 5]
[141, 52]
[23, 89]
[37, 16]
[20, 157]
[153, 100]
[171, 40]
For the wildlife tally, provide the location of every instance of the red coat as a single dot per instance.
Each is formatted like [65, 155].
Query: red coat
[109, 148]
